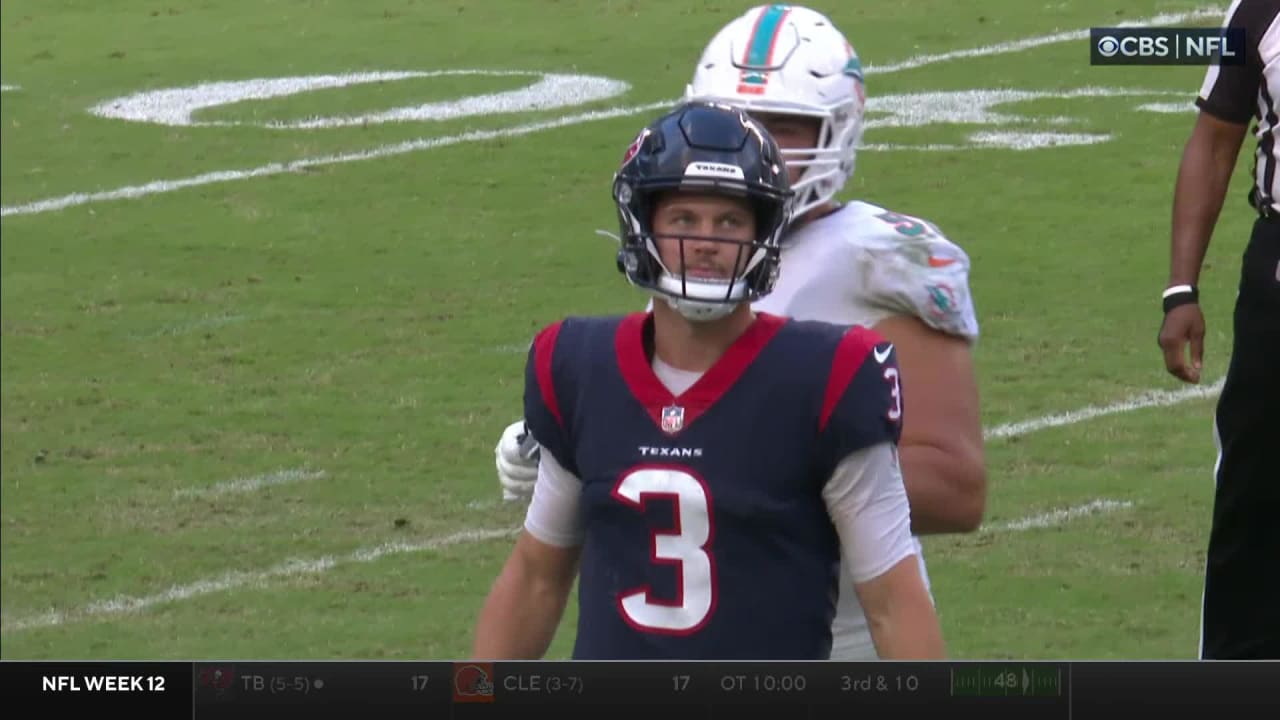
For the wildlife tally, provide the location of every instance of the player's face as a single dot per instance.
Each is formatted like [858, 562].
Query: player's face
[791, 132]
[688, 229]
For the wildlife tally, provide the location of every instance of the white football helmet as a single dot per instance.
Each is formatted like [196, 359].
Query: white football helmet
[790, 60]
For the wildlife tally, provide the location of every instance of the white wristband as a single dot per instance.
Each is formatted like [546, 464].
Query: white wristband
[1177, 289]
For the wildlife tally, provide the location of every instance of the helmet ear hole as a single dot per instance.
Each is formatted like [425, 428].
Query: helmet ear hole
[628, 263]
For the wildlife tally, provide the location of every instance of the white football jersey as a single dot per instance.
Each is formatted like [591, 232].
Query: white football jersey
[862, 263]
[859, 265]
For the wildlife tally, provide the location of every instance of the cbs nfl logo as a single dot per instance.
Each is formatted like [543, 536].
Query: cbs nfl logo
[1166, 46]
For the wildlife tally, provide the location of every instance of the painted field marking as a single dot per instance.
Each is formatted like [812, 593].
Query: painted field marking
[166, 186]
[291, 568]
[250, 484]
[978, 106]
[1151, 398]
[176, 106]
[988, 108]
[9, 88]
[238, 579]
[997, 140]
[1054, 518]
[1170, 107]
[1035, 42]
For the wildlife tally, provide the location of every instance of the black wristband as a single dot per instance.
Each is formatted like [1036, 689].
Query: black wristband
[1180, 295]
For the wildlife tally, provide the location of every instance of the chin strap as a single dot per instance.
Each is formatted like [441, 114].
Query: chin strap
[698, 310]
[690, 309]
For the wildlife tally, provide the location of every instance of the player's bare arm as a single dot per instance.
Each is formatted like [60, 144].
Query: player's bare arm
[941, 450]
[904, 624]
[524, 608]
[868, 505]
[527, 601]
[1203, 176]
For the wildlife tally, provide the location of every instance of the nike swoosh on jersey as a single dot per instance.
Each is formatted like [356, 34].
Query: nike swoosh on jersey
[939, 262]
[882, 356]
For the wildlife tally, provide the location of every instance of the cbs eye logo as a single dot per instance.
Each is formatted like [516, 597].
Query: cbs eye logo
[1134, 46]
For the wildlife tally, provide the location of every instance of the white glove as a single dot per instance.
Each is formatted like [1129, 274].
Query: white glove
[517, 460]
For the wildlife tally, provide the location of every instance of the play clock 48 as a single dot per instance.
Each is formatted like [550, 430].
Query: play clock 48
[997, 680]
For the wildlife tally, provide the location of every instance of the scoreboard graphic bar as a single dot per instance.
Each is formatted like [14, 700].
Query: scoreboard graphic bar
[244, 690]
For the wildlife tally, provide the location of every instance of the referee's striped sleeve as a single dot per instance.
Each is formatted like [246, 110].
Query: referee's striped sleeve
[1231, 92]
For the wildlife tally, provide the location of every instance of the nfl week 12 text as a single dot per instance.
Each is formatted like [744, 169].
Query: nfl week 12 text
[102, 683]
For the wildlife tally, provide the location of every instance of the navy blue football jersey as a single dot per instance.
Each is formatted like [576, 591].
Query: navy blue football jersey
[706, 533]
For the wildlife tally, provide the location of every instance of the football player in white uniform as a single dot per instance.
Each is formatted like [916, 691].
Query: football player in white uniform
[849, 263]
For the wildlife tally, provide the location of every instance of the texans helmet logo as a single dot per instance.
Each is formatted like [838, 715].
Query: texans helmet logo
[635, 146]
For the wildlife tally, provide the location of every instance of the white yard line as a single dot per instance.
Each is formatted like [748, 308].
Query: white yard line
[1170, 107]
[239, 579]
[1205, 13]
[250, 484]
[1054, 518]
[1151, 398]
[166, 186]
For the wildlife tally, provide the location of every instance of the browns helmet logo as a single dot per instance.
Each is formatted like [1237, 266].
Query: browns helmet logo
[472, 682]
[634, 147]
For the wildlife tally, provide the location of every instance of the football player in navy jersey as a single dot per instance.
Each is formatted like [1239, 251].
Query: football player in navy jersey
[702, 466]
[850, 262]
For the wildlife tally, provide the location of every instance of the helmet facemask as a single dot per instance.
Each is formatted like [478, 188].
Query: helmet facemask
[827, 166]
[705, 149]
[701, 298]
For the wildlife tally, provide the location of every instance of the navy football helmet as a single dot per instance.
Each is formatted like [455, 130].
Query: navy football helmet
[710, 148]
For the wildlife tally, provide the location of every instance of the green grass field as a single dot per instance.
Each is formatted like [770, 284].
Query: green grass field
[254, 418]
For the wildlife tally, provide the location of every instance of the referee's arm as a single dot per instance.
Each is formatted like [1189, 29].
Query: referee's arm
[1227, 101]
[1203, 176]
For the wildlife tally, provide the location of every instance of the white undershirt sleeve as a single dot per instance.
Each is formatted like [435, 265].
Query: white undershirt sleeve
[868, 506]
[555, 512]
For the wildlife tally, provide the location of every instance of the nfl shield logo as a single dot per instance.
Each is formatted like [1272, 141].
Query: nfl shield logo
[672, 419]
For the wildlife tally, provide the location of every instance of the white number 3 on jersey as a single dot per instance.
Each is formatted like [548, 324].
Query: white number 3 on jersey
[891, 376]
[895, 392]
[695, 594]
